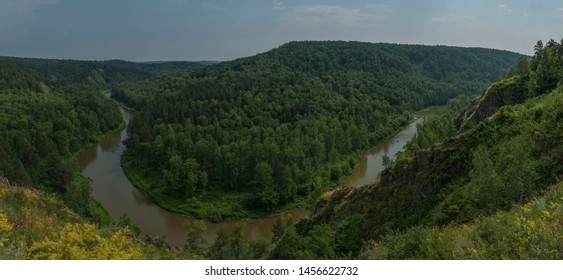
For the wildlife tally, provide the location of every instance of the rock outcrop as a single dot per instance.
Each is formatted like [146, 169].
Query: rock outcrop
[403, 194]
[505, 92]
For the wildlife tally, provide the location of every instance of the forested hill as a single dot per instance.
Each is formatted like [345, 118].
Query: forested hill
[50, 110]
[260, 133]
[491, 190]
[58, 72]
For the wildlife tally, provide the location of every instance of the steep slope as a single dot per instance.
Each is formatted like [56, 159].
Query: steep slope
[530, 231]
[37, 226]
[50, 110]
[529, 78]
[44, 125]
[265, 132]
[506, 157]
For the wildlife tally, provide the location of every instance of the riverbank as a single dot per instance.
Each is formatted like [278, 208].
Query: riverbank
[228, 206]
[112, 188]
[95, 139]
[212, 206]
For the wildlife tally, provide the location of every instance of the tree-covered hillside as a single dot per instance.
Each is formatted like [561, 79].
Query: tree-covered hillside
[57, 72]
[492, 190]
[261, 133]
[49, 111]
[52, 109]
[35, 225]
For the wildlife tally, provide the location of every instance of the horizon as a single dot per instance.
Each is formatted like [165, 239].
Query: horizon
[224, 30]
[211, 61]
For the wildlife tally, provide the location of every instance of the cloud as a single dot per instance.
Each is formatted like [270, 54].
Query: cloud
[450, 17]
[330, 16]
[382, 8]
[211, 6]
[23, 7]
[525, 14]
[278, 5]
[505, 8]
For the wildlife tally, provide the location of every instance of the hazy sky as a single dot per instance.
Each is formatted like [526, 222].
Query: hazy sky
[144, 30]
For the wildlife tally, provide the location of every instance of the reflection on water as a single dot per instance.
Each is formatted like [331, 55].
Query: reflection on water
[113, 190]
[371, 164]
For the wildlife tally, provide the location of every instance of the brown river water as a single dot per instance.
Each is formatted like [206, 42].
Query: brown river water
[110, 186]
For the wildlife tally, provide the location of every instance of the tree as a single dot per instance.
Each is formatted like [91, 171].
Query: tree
[218, 250]
[386, 161]
[81, 242]
[195, 179]
[267, 126]
[538, 47]
[269, 197]
[278, 229]
[195, 242]
[184, 178]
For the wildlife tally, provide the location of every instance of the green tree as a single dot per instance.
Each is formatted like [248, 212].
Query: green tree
[386, 161]
[195, 242]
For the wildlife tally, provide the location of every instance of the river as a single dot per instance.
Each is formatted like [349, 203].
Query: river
[110, 186]
[371, 164]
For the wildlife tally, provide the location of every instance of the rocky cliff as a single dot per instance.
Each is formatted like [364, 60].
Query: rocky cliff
[505, 92]
[507, 151]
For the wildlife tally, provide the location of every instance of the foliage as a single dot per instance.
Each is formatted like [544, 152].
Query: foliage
[82, 242]
[232, 246]
[270, 130]
[195, 242]
[5, 230]
[505, 160]
[436, 129]
[44, 126]
[38, 226]
[267, 126]
[530, 231]
[50, 110]
[319, 243]
[57, 73]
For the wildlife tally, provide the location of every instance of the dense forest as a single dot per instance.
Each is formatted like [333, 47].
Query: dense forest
[491, 190]
[52, 109]
[480, 180]
[257, 134]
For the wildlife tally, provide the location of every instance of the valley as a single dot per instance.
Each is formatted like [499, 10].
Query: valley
[227, 157]
[110, 187]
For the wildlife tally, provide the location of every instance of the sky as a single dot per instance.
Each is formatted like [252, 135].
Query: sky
[158, 30]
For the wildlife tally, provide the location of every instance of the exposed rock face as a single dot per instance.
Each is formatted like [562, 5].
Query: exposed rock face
[437, 161]
[504, 92]
[406, 192]
[403, 193]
